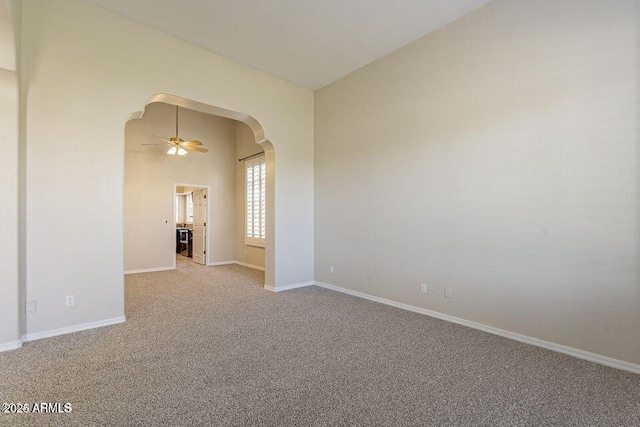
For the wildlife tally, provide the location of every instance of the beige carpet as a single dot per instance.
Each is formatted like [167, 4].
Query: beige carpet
[183, 261]
[209, 346]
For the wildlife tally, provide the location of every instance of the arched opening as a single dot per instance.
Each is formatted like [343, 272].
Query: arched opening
[251, 127]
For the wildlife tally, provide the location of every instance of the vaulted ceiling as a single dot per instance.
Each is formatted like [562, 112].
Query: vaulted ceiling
[308, 42]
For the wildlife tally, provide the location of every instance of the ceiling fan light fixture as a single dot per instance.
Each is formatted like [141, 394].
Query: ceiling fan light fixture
[178, 145]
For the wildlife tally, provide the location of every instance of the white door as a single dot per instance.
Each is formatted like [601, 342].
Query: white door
[199, 226]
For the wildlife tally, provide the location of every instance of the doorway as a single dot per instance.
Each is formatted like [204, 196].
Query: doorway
[191, 216]
[146, 185]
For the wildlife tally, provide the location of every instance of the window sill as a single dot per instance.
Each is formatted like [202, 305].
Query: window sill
[255, 245]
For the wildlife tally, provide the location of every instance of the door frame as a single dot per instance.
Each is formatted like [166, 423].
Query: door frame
[207, 215]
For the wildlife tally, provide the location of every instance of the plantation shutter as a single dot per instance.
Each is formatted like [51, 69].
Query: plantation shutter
[256, 206]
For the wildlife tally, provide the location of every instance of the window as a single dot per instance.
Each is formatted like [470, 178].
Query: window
[190, 207]
[184, 208]
[256, 212]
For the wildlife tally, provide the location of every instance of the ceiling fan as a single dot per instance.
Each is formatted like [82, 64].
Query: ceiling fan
[178, 145]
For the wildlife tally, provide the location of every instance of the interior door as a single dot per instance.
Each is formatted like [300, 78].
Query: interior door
[199, 226]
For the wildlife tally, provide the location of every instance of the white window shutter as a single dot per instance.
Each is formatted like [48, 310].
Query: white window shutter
[256, 205]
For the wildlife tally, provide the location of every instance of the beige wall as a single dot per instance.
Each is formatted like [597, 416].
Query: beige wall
[9, 177]
[84, 71]
[498, 156]
[150, 176]
[245, 146]
[7, 39]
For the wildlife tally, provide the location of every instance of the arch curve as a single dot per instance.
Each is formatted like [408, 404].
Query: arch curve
[164, 98]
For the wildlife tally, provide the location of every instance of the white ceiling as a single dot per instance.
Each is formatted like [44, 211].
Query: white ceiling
[308, 42]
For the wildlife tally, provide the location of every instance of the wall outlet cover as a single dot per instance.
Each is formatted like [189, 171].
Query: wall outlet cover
[32, 306]
[423, 288]
[69, 301]
[447, 292]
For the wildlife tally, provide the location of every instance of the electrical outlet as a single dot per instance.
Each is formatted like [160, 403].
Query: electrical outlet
[69, 301]
[447, 292]
[331, 269]
[32, 306]
[423, 288]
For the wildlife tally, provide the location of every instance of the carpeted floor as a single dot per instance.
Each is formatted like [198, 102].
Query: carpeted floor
[209, 346]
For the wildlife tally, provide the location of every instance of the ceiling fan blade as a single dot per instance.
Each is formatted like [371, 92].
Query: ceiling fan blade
[165, 140]
[190, 148]
[192, 143]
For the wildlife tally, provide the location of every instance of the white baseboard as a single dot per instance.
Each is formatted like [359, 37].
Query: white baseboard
[288, 287]
[244, 264]
[209, 264]
[149, 270]
[70, 329]
[213, 264]
[11, 345]
[581, 354]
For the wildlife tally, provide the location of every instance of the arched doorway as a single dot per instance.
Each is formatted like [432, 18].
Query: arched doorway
[259, 138]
